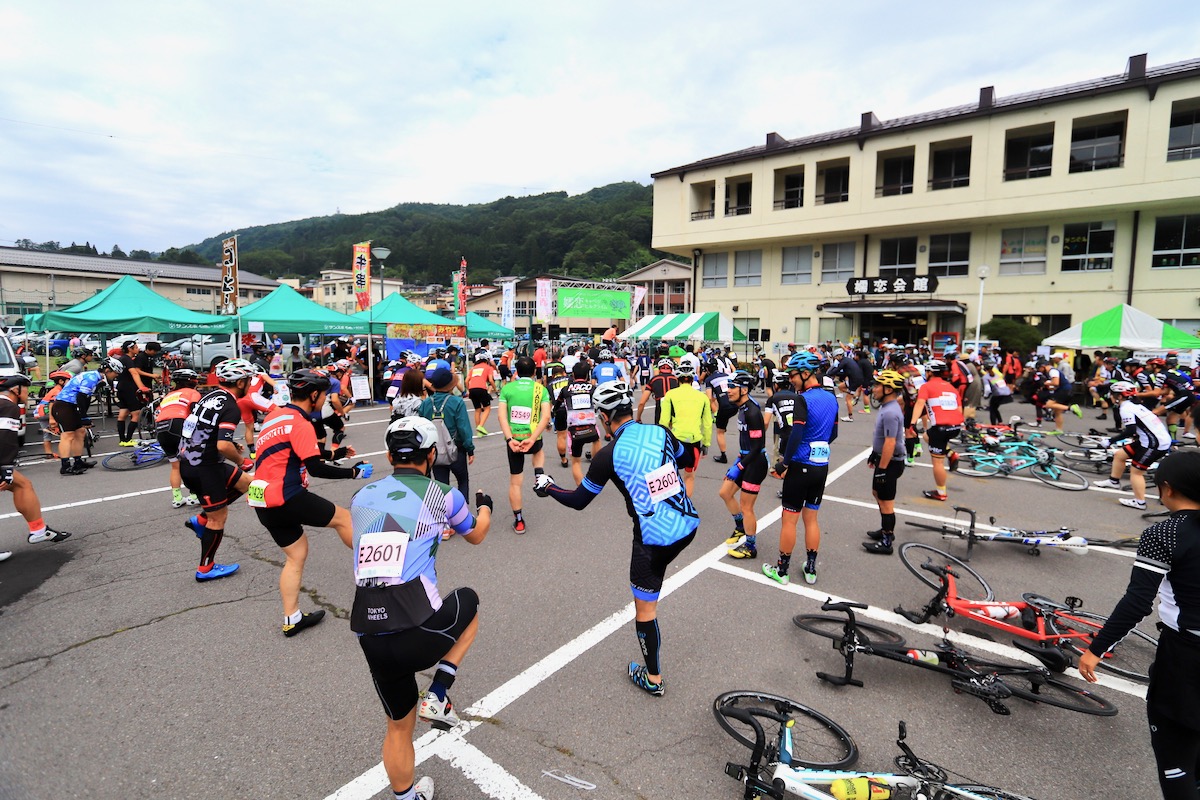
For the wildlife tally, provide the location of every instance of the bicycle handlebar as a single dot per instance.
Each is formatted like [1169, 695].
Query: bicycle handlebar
[845, 605]
[937, 570]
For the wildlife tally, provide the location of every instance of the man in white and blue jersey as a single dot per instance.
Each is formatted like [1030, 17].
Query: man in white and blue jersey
[643, 461]
[403, 623]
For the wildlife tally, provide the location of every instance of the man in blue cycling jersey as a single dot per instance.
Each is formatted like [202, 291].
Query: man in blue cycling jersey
[70, 411]
[643, 461]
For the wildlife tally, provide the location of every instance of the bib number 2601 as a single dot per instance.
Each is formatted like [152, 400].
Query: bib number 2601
[380, 555]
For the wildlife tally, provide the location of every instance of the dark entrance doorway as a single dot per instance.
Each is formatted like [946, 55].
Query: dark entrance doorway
[897, 327]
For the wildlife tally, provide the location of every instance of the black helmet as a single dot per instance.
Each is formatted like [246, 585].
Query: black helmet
[14, 382]
[184, 376]
[743, 379]
[308, 380]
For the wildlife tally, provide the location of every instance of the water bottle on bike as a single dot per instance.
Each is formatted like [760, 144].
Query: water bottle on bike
[1001, 611]
[860, 789]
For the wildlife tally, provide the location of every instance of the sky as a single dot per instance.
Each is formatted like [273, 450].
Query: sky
[152, 125]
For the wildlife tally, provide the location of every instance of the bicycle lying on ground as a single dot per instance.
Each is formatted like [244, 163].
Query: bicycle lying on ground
[1050, 631]
[995, 457]
[144, 455]
[805, 750]
[991, 681]
[1033, 541]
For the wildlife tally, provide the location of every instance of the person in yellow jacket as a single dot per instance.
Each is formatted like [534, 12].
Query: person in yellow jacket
[685, 411]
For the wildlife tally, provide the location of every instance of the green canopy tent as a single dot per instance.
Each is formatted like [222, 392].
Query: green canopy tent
[395, 309]
[1124, 326]
[127, 307]
[285, 310]
[480, 327]
[708, 326]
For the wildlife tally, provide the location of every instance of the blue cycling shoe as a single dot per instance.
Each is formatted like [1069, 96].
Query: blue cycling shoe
[196, 527]
[217, 571]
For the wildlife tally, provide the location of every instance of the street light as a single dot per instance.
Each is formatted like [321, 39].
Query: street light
[381, 253]
[984, 270]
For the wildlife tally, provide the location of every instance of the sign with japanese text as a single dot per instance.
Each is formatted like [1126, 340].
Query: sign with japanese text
[508, 304]
[229, 275]
[596, 303]
[900, 284]
[432, 334]
[362, 275]
[639, 294]
[545, 300]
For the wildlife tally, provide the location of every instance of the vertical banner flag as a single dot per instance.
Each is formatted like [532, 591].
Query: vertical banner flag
[545, 300]
[229, 275]
[456, 286]
[362, 275]
[639, 294]
[508, 304]
[461, 294]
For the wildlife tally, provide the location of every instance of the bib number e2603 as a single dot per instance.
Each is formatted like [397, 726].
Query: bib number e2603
[663, 483]
[380, 555]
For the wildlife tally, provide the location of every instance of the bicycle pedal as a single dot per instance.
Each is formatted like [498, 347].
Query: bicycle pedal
[999, 708]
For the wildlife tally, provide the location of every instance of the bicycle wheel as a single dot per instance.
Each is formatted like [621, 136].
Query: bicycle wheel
[968, 583]
[137, 458]
[1093, 455]
[1131, 657]
[978, 465]
[817, 741]
[986, 792]
[1059, 477]
[1036, 688]
[832, 627]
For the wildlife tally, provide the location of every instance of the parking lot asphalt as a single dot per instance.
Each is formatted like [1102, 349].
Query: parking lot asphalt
[121, 677]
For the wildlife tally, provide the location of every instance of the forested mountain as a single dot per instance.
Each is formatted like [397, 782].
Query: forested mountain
[603, 233]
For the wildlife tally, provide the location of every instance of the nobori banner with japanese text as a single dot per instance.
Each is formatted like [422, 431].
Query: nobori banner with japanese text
[229, 275]
[508, 303]
[639, 294]
[545, 300]
[596, 303]
[362, 275]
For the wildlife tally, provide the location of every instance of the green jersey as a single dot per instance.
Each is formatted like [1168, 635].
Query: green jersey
[523, 400]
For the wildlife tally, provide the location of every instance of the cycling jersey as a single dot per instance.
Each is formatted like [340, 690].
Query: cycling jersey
[555, 383]
[576, 399]
[782, 405]
[659, 385]
[718, 384]
[284, 444]
[1143, 426]
[814, 428]
[643, 461]
[84, 384]
[1178, 382]
[398, 525]
[176, 405]
[688, 415]
[214, 418]
[752, 431]
[480, 376]
[941, 402]
[523, 399]
[606, 372]
[42, 410]
[10, 428]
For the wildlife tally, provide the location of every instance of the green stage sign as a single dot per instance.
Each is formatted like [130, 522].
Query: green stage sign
[605, 303]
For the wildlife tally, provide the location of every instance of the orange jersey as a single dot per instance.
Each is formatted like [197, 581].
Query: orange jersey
[942, 401]
[286, 441]
[479, 376]
[177, 405]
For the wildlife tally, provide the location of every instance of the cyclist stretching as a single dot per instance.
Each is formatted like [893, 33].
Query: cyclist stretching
[173, 409]
[70, 411]
[643, 461]
[257, 400]
[1145, 440]
[748, 472]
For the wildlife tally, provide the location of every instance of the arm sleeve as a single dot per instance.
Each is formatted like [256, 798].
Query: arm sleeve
[758, 444]
[459, 516]
[320, 469]
[799, 418]
[82, 402]
[593, 483]
[1147, 575]
[706, 423]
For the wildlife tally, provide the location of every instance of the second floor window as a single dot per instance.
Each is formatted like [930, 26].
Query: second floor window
[1176, 242]
[715, 271]
[1023, 251]
[897, 257]
[1088, 246]
[797, 265]
[949, 254]
[747, 268]
[1028, 155]
[1097, 146]
[1183, 142]
[837, 262]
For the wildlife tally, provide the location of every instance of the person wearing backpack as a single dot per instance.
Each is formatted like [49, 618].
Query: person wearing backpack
[448, 413]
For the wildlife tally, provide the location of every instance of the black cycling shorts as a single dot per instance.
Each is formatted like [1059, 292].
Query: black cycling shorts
[804, 486]
[505, 372]
[753, 475]
[648, 565]
[516, 461]
[725, 412]
[66, 415]
[577, 444]
[939, 438]
[1180, 404]
[395, 658]
[286, 522]
[559, 422]
[169, 438]
[1141, 456]
[212, 483]
[1062, 395]
[480, 398]
[885, 487]
[128, 397]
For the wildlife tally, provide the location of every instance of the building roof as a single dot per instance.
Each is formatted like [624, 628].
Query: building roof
[896, 306]
[1136, 75]
[72, 262]
[633, 277]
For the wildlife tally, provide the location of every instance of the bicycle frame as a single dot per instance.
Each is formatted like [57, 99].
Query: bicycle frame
[1031, 539]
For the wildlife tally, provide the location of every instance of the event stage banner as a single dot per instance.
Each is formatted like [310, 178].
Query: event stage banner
[429, 334]
[596, 303]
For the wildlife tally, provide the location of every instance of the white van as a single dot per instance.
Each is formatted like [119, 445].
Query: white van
[9, 365]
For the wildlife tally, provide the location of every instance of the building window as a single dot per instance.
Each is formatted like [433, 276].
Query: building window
[1028, 152]
[833, 182]
[1183, 143]
[198, 290]
[715, 273]
[950, 163]
[737, 196]
[520, 308]
[789, 188]
[797, 265]
[838, 329]
[897, 257]
[1023, 251]
[894, 173]
[801, 330]
[349, 288]
[1176, 242]
[1047, 325]
[1088, 246]
[678, 287]
[704, 199]
[837, 263]
[1097, 143]
[21, 309]
[949, 254]
[747, 268]
[677, 308]
[348, 307]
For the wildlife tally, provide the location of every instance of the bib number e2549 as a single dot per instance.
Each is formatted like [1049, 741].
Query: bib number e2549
[520, 415]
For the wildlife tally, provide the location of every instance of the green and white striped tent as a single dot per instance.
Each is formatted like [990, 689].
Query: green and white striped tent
[1124, 326]
[709, 326]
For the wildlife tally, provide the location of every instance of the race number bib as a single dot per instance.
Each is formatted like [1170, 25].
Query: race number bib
[949, 400]
[189, 426]
[581, 401]
[818, 453]
[380, 555]
[256, 495]
[520, 415]
[663, 483]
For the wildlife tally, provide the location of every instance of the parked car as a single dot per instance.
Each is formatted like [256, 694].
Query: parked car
[10, 365]
[199, 351]
[57, 345]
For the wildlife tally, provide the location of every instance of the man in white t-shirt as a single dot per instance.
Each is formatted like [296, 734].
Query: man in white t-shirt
[1143, 441]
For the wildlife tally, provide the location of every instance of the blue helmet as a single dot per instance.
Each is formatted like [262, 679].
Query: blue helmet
[804, 361]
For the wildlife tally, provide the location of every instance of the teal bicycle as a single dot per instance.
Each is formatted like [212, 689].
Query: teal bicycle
[995, 457]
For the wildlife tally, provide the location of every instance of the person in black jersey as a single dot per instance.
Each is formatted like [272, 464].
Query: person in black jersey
[748, 472]
[1167, 565]
[658, 386]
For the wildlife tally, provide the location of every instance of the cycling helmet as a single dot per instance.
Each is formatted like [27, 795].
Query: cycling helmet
[804, 362]
[233, 370]
[665, 363]
[1041, 362]
[114, 364]
[182, 376]
[743, 379]
[344, 363]
[889, 378]
[608, 397]
[258, 369]
[779, 379]
[1123, 388]
[14, 382]
[1172, 361]
[604, 355]
[709, 366]
[1156, 362]
[838, 352]
[899, 359]
[988, 363]
[307, 380]
[409, 439]
[481, 357]
[685, 371]
[60, 374]
[935, 367]
[84, 352]
[1131, 362]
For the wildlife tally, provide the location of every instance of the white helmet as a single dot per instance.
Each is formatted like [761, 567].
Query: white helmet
[233, 370]
[610, 396]
[604, 355]
[407, 437]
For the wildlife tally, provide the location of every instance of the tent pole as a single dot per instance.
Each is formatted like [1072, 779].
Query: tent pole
[371, 342]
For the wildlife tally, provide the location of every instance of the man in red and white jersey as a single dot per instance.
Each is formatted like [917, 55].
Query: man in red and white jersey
[940, 401]
[256, 400]
[173, 409]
